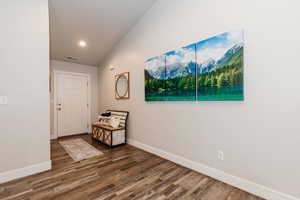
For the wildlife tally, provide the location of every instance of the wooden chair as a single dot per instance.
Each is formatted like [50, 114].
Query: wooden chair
[112, 136]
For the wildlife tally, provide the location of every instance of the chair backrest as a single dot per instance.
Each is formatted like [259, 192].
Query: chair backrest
[123, 115]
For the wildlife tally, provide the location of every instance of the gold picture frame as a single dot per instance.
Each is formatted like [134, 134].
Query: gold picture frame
[122, 86]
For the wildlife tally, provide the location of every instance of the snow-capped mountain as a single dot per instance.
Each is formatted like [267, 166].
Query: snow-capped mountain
[233, 49]
[211, 64]
[159, 73]
[206, 66]
[180, 70]
[230, 53]
[176, 70]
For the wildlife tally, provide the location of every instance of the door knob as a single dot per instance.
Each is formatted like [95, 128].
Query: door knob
[59, 109]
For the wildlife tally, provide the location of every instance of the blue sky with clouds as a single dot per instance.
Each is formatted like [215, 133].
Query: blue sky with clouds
[211, 48]
[215, 47]
[183, 55]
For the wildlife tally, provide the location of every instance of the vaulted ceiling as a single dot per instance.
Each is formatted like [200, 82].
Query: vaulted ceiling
[100, 23]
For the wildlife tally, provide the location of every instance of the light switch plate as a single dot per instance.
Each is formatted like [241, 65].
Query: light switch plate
[3, 100]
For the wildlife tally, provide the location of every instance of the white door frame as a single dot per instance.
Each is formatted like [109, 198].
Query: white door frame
[58, 72]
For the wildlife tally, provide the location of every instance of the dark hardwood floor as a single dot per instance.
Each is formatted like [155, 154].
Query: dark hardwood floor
[124, 172]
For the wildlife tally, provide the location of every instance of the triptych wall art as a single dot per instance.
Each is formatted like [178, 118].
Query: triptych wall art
[210, 70]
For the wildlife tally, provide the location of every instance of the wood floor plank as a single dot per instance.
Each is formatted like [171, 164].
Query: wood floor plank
[121, 173]
[218, 191]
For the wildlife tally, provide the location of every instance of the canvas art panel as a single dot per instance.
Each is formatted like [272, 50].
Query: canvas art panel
[220, 67]
[180, 80]
[155, 73]
[209, 70]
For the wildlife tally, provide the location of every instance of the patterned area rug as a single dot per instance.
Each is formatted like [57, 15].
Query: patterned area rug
[79, 149]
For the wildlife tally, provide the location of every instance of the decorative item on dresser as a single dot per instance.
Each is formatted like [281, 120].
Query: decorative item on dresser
[106, 130]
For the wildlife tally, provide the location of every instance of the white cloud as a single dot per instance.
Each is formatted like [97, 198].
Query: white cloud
[210, 53]
[217, 51]
[183, 56]
[235, 36]
[172, 59]
[155, 63]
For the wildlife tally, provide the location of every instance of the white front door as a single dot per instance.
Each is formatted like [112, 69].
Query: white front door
[72, 104]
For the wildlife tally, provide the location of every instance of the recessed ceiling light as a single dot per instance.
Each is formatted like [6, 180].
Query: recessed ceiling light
[82, 43]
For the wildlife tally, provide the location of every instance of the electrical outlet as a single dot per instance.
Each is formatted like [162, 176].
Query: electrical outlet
[220, 155]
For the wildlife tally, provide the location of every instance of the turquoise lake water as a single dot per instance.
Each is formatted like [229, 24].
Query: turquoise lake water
[225, 93]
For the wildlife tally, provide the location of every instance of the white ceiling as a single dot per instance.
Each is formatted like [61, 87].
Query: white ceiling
[101, 23]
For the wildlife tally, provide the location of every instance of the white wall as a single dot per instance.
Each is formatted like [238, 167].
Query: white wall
[72, 67]
[260, 136]
[24, 79]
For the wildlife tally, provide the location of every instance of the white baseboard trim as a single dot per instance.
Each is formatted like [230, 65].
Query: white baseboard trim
[243, 184]
[26, 171]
